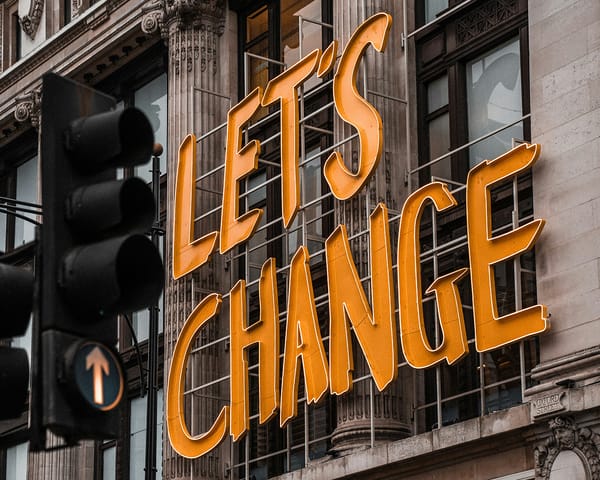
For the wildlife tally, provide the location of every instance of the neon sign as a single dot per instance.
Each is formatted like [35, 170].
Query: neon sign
[374, 326]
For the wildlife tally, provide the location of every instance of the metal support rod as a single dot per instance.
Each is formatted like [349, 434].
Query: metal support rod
[151, 413]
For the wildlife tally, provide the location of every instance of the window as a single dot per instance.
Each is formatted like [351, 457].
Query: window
[151, 99]
[137, 437]
[494, 100]
[16, 462]
[270, 37]
[18, 181]
[108, 451]
[433, 8]
[472, 82]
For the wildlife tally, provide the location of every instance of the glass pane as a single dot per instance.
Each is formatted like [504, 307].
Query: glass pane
[109, 463]
[291, 11]
[494, 100]
[437, 94]
[140, 323]
[439, 144]
[137, 439]
[16, 462]
[433, 7]
[138, 436]
[257, 23]
[27, 192]
[152, 100]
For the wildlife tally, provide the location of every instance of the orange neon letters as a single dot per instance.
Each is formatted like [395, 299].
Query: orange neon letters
[182, 441]
[284, 87]
[303, 341]
[356, 111]
[417, 349]
[188, 254]
[266, 334]
[376, 330]
[492, 331]
[239, 162]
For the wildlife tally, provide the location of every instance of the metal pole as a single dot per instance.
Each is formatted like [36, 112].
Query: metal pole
[151, 413]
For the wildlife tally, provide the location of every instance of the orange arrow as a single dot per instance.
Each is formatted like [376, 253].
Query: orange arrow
[98, 363]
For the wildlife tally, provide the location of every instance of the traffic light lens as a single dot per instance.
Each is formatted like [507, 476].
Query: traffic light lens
[116, 275]
[140, 273]
[119, 138]
[14, 378]
[111, 207]
[16, 285]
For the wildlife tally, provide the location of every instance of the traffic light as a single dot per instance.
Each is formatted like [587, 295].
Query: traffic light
[96, 260]
[16, 299]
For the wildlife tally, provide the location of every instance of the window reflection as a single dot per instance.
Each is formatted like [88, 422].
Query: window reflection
[16, 462]
[27, 175]
[152, 100]
[137, 438]
[494, 100]
[433, 7]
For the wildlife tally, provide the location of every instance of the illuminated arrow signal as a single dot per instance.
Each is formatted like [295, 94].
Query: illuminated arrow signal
[98, 363]
[96, 374]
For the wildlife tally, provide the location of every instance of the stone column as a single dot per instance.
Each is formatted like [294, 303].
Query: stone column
[384, 80]
[192, 31]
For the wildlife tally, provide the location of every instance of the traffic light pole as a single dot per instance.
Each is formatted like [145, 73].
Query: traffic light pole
[151, 413]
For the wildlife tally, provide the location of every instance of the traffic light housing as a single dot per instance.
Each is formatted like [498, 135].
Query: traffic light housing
[97, 261]
[16, 300]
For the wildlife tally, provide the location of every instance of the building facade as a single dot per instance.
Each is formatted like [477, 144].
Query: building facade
[447, 85]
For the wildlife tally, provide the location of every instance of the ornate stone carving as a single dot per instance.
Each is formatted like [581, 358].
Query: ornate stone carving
[28, 108]
[566, 435]
[77, 6]
[31, 21]
[189, 27]
[161, 15]
[484, 18]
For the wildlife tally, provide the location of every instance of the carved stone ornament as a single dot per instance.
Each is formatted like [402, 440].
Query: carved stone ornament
[160, 15]
[31, 21]
[566, 435]
[479, 20]
[28, 108]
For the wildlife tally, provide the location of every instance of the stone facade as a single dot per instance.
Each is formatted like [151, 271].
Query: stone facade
[555, 432]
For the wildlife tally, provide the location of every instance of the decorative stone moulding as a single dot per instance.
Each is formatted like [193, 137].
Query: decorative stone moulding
[567, 435]
[28, 108]
[31, 21]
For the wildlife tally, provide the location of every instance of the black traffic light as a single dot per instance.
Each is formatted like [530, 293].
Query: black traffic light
[96, 260]
[16, 300]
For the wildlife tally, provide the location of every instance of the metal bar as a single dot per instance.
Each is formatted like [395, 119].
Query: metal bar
[372, 407]
[388, 97]
[468, 144]
[212, 92]
[151, 414]
[20, 202]
[210, 132]
[266, 59]
[316, 22]
[407, 129]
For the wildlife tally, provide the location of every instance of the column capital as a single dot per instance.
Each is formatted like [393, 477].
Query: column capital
[168, 16]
